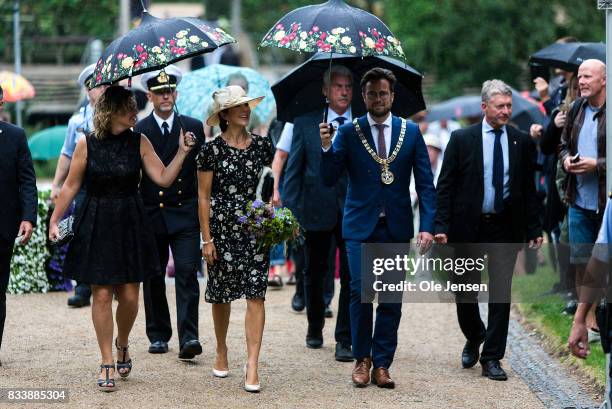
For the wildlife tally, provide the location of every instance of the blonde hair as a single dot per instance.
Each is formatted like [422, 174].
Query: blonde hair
[115, 100]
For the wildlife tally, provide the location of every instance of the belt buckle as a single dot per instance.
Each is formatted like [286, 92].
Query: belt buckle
[487, 217]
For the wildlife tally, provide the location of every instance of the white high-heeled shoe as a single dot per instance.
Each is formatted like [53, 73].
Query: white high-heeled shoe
[219, 374]
[250, 388]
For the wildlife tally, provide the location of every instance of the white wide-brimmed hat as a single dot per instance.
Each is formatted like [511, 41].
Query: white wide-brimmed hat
[432, 140]
[228, 97]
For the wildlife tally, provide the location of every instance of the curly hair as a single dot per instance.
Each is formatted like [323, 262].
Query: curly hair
[115, 100]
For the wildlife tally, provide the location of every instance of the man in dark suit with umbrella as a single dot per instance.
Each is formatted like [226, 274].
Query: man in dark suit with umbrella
[19, 200]
[318, 208]
[486, 194]
[174, 214]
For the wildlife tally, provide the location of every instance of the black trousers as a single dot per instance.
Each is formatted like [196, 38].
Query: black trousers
[6, 252]
[501, 261]
[298, 254]
[186, 253]
[318, 244]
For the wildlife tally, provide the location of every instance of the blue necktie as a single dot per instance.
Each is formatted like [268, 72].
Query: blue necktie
[340, 120]
[498, 171]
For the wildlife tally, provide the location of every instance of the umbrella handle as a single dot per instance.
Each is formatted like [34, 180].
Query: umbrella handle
[326, 109]
[331, 53]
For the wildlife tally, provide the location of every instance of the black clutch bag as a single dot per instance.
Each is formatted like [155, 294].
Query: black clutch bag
[66, 232]
[265, 187]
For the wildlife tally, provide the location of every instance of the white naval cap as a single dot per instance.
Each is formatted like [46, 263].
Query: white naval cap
[154, 80]
[86, 75]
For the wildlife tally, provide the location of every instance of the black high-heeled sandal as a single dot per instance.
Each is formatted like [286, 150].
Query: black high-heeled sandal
[107, 384]
[123, 364]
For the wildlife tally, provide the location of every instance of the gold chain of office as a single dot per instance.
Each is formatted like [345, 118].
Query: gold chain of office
[385, 174]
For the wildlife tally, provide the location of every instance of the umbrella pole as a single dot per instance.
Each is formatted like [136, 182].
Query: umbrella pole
[328, 87]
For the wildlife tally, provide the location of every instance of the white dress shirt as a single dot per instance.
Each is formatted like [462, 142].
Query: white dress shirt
[161, 121]
[284, 142]
[488, 141]
[387, 132]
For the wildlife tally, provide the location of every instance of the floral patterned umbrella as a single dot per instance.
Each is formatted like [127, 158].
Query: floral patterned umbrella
[156, 43]
[334, 27]
[15, 87]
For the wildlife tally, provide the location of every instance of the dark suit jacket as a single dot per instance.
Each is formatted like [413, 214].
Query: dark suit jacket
[17, 182]
[461, 186]
[175, 208]
[315, 205]
[367, 195]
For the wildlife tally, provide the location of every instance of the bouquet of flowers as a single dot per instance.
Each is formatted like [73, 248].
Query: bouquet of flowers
[267, 225]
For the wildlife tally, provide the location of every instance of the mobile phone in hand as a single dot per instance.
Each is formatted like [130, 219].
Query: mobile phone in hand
[575, 158]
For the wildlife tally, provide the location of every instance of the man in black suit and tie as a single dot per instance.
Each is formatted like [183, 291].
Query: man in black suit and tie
[19, 200]
[486, 194]
[319, 209]
[174, 214]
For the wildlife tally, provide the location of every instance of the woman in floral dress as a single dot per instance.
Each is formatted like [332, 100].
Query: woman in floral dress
[229, 168]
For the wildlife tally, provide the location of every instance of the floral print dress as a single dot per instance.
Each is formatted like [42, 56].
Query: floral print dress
[241, 270]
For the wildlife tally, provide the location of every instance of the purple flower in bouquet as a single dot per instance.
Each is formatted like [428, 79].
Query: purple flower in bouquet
[267, 225]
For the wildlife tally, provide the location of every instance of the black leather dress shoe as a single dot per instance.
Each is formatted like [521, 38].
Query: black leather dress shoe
[470, 354]
[190, 349]
[314, 339]
[494, 371]
[77, 301]
[297, 302]
[158, 347]
[343, 353]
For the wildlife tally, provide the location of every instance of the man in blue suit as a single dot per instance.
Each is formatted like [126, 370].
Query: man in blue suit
[379, 151]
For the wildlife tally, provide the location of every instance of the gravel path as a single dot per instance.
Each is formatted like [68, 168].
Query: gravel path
[47, 345]
[544, 375]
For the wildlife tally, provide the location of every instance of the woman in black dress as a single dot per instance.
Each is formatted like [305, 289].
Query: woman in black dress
[228, 173]
[113, 248]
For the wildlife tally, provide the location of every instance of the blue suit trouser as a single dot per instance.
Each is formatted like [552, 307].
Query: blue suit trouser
[378, 340]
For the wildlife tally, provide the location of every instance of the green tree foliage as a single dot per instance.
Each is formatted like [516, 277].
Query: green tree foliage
[462, 43]
[96, 18]
[42, 20]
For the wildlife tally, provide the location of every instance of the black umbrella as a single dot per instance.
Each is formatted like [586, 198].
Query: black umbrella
[524, 112]
[154, 44]
[465, 106]
[299, 92]
[568, 56]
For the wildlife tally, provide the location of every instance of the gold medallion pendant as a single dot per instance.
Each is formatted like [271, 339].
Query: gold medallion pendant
[386, 176]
